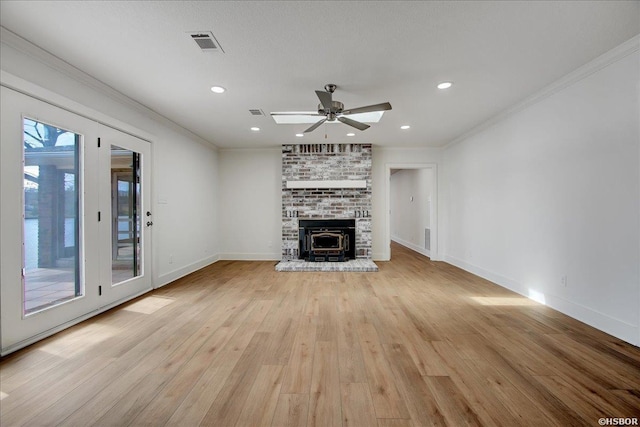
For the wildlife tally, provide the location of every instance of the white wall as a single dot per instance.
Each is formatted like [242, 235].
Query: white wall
[250, 178]
[185, 186]
[410, 199]
[553, 191]
[251, 204]
[186, 220]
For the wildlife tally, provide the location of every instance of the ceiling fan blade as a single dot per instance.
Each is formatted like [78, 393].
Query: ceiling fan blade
[353, 123]
[325, 99]
[315, 125]
[284, 113]
[377, 107]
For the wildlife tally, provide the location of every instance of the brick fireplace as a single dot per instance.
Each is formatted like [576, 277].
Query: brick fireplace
[324, 182]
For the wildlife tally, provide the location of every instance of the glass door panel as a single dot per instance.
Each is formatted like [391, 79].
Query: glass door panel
[74, 239]
[125, 214]
[51, 222]
[125, 178]
[49, 267]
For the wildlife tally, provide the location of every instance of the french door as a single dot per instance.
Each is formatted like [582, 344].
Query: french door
[75, 218]
[126, 203]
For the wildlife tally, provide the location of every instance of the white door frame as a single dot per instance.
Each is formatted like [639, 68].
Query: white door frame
[435, 252]
[17, 84]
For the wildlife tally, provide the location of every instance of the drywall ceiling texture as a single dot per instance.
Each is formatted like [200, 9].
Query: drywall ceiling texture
[277, 53]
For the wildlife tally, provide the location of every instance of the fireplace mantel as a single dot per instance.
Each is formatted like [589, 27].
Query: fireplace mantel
[348, 183]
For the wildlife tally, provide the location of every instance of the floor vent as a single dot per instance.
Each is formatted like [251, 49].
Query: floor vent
[206, 41]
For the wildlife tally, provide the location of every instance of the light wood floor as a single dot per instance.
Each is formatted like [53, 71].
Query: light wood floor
[238, 344]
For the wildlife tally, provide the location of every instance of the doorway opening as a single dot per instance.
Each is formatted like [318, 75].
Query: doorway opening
[412, 213]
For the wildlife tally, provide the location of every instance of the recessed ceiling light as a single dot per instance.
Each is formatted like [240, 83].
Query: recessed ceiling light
[255, 129]
[351, 134]
[218, 89]
[299, 135]
[405, 127]
[445, 85]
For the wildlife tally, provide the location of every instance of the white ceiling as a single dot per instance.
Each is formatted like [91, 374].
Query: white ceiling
[277, 53]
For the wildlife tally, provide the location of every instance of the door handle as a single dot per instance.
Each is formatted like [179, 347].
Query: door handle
[149, 223]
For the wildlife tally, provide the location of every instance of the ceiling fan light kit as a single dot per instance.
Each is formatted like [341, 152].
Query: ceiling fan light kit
[334, 110]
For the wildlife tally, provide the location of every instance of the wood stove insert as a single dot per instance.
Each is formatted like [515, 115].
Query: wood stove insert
[327, 239]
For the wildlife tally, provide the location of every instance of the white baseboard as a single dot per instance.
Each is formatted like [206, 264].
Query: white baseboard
[411, 246]
[380, 256]
[167, 278]
[603, 322]
[268, 256]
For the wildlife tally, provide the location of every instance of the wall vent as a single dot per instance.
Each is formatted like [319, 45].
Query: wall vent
[206, 41]
[427, 239]
[256, 112]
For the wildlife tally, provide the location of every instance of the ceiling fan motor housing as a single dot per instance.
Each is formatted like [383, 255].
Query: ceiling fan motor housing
[336, 108]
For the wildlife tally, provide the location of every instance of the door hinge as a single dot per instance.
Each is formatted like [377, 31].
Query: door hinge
[99, 290]
[98, 142]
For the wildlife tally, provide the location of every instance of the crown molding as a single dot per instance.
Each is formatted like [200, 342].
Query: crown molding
[614, 55]
[48, 59]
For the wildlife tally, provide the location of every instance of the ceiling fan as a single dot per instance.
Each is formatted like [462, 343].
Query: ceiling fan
[334, 110]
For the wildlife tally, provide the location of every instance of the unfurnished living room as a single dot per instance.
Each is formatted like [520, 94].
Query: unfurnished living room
[319, 213]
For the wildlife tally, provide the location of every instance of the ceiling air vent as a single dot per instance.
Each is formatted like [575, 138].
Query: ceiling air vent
[256, 112]
[206, 41]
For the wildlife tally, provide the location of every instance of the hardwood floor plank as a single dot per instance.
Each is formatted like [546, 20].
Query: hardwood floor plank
[37, 399]
[586, 409]
[237, 343]
[351, 364]
[263, 398]
[394, 422]
[148, 399]
[297, 379]
[382, 383]
[419, 399]
[422, 353]
[357, 406]
[630, 399]
[327, 319]
[324, 399]
[622, 375]
[291, 411]
[472, 384]
[514, 401]
[451, 402]
[228, 405]
[547, 403]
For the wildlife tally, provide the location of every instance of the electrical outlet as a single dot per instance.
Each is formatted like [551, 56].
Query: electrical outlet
[170, 259]
[563, 280]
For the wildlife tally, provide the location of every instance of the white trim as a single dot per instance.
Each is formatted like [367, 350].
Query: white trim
[412, 246]
[351, 183]
[621, 51]
[32, 90]
[267, 256]
[176, 274]
[600, 321]
[434, 253]
[13, 40]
